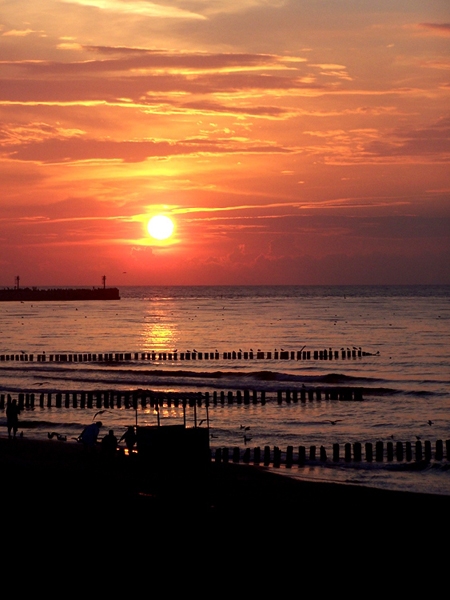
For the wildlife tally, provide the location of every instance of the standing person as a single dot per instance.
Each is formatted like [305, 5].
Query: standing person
[129, 438]
[109, 444]
[89, 435]
[12, 417]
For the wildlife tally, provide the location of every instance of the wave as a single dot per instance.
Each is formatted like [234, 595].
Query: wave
[46, 378]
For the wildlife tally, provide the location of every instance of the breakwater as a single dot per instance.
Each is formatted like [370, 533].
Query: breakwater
[57, 294]
[323, 354]
[417, 452]
[148, 398]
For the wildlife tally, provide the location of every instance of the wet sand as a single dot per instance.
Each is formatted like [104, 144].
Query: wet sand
[55, 485]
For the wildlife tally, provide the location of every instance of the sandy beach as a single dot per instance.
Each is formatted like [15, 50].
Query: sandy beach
[62, 485]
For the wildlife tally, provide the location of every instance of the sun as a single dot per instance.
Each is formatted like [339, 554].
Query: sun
[160, 227]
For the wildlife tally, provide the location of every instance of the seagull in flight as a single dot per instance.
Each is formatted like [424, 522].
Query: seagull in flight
[245, 428]
[333, 422]
[100, 412]
[430, 422]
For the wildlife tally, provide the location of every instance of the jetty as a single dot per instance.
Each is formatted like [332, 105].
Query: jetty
[34, 294]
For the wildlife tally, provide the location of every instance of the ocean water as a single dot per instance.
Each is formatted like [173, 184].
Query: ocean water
[314, 368]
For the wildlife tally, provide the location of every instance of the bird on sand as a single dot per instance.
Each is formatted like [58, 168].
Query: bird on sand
[59, 436]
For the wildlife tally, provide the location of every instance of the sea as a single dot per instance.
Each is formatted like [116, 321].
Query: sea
[307, 372]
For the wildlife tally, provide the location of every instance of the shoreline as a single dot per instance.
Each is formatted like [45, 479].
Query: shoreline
[225, 497]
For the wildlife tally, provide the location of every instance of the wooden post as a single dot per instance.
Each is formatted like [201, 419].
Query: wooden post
[276, 457]
[369, 452]
[427, 450]
[289, 456]
[348, 452]
[390, 451]
[408, 451]
[418, 451]
[301, 455]
[225, 455]
[399, 451]
[336, 452]
[266, 456]
[439, 450]
[379, 451]
[357, 452]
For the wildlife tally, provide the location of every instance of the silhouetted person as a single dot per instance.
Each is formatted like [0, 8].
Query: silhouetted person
[89, 435]
[109, 444]
[12, 417]
[129, 437]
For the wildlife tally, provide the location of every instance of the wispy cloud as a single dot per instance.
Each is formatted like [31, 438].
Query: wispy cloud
[436, 28]
[137, 7]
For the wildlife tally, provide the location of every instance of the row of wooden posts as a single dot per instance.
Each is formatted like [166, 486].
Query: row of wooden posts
[142, 399]
[325, 354]
[408, 451]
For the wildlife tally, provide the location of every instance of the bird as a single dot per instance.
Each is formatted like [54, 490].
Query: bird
[430, 422]
[201, 421]
[333, 422]
[59, 436]
[245, 428]
[100, 412]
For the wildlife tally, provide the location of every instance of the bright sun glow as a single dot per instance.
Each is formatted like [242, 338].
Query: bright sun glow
[160, 227]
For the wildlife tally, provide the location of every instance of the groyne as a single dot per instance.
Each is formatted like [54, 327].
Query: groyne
[101, 399]
[323, 354]
[416, 452]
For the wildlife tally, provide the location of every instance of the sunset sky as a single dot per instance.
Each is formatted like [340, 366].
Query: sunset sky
[290, 141]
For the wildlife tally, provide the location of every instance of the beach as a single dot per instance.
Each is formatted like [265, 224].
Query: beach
[64, 487]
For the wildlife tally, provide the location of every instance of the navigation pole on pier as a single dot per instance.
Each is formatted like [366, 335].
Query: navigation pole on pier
[17, 282]
[104, 281]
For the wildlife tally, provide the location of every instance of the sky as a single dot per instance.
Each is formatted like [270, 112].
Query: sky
[297, 142]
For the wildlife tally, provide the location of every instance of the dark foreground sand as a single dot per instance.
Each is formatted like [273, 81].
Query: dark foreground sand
[55, 488]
